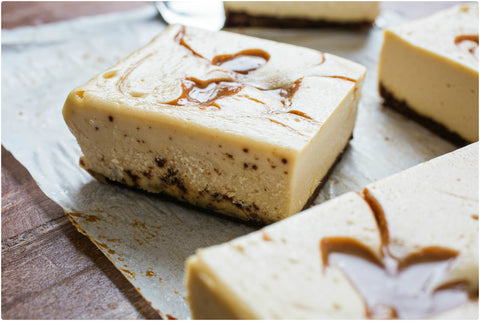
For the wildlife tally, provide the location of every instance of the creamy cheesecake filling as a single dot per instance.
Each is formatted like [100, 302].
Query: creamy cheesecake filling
[201, 175]
[237, 132]
[401, 106]
[275, 254]
[428, 70]
[473, 38]
[407, 247]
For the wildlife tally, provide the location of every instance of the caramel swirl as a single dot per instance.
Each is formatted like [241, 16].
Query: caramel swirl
[285, 94]
[394, 288]
[472, 38]
[342, 77]
[179, 39]
[242, 62]
[462, 38]
[204, 93]
[286, 126]
[299, 113]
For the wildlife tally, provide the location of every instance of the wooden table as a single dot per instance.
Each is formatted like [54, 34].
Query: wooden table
[49, 270]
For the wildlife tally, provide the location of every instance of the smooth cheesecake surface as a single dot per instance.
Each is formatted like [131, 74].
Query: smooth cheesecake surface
[445, 192]
[244, 126]
[448, 33]
[431, 66]
[343, 11]
[277, 273]
[405, 248]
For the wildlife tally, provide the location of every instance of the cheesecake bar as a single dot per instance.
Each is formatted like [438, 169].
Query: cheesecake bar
[428, 70]
[234, 124]
[406, 247]
[301, 14]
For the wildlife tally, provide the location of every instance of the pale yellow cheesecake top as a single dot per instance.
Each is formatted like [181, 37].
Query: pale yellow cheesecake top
[279, 271]
[341, 11]
[434, 204]
[451, 33]
[406, 248]
[227, 84]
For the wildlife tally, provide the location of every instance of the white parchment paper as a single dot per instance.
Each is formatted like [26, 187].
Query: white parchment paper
[146, 237]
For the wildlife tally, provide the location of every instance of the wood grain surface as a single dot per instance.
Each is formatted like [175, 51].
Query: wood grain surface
[49, 270]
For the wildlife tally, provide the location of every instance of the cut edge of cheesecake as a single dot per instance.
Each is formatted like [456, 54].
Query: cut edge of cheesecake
[211, 291]
[248, 219]
[402, 107]
[445, 83]
[99, 126]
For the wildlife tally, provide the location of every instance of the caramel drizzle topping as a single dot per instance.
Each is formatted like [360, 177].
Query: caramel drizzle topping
[243, 61]
[342, 77]
[473, 38]
[204, 93]
[285, 94]
[461, 38]
[179, 39]
[299, 113]
[323, 57]
[286, 126]
[393, 288]
[253, 99]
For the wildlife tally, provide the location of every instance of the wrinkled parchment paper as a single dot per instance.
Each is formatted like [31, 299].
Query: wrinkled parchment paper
[146, 237]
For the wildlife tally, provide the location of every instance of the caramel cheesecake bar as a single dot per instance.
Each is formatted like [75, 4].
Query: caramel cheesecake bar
[239, 125]
[407, 247]
[301, 14]
[428, 70]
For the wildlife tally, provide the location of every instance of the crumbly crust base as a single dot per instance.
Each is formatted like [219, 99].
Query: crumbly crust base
[401, 106]
[242, 19]
[253, 219]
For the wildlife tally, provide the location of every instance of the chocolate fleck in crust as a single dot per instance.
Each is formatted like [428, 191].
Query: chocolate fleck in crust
[403, 108]
[242, 19]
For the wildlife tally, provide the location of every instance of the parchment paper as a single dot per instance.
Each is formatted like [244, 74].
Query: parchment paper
[146, 237]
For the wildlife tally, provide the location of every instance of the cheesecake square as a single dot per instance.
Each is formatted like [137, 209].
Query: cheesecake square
[428, 70]
[242, 126]
[406, 247]
[301, 14]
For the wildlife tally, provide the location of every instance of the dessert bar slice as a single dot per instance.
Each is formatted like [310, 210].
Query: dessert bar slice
[239, 125]
[428, 70]
[405, 248]
[301, 14]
